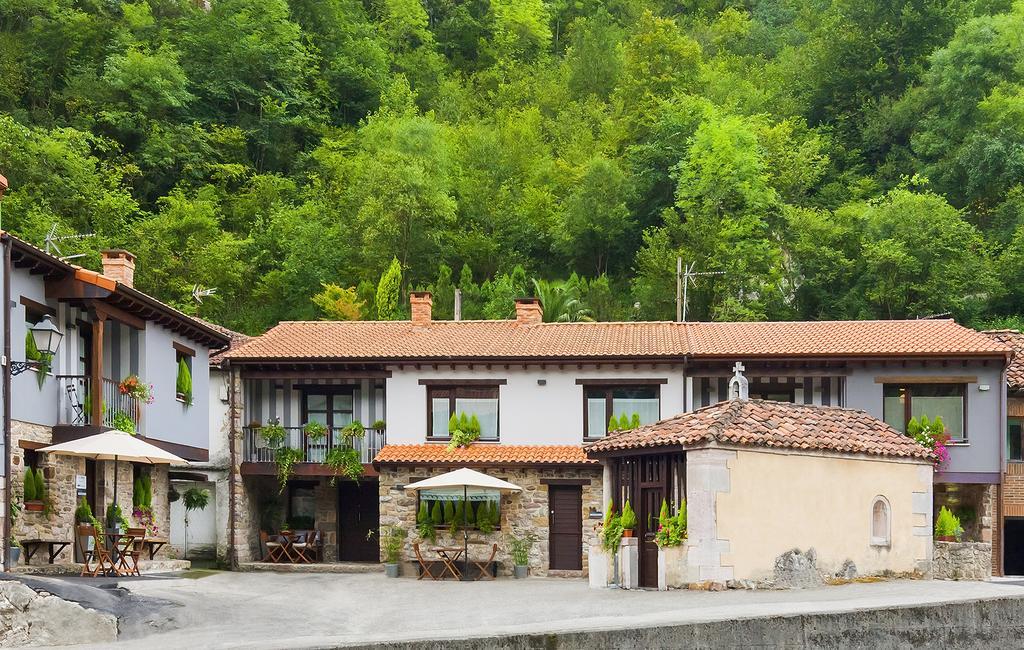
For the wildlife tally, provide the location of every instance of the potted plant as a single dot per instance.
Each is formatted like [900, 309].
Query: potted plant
[315, 431]
[141, 392]
[611, 530]
[353, 431]
[627, 519]
[273, 433]
[183, 383]
[520, 548]
[34, 491]
[116, 521]
[671, 553]
[947, 526]
[13, 545]
[344, 461]
[392, 539]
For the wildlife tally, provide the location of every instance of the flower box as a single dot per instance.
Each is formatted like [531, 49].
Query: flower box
[35, 506]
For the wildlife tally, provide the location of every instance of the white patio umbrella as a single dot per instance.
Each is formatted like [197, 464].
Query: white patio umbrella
[470, 483]
[116, 446]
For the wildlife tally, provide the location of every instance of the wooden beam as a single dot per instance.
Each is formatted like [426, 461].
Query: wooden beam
[463, 382]
[116, 313]
[184, 349]
[631, 381]
[315, 374]
[926, 379]
[38, 306]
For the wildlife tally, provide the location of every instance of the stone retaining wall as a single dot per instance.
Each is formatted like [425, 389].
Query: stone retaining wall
[520, 513]
[980, 624]
[962, 561]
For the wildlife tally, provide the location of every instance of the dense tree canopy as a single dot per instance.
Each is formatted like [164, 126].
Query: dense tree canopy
[321, 158]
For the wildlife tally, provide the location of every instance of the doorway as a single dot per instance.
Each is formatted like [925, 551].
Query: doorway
[1013, 558]
[565, 527]
[358, 516]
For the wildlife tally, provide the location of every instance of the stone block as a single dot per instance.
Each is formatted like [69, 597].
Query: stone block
[601, 571]
[671, 567]
[629, 563]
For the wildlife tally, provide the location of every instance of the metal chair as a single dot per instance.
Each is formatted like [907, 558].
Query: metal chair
[77, 409]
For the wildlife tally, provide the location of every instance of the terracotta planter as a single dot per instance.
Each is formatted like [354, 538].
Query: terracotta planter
[628, 532]
[35, 506]
[945, 538]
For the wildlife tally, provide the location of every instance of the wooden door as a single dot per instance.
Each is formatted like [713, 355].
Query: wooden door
[565, 527]
[647, 525]
[358, 514]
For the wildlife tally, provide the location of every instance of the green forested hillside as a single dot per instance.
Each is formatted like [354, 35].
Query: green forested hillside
[843, 159]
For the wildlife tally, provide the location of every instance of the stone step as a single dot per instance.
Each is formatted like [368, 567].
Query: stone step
[318, 567]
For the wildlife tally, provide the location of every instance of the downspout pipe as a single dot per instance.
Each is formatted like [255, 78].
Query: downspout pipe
[1003, 390]
[5, 240]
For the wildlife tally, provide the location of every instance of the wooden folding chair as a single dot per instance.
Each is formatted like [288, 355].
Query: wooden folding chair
[305, 546]
[129, 550]
[423, 564]
[99, 555]
[274, 549]
[484, 566]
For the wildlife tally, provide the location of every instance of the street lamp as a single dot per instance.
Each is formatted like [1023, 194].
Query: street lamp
[47, 339]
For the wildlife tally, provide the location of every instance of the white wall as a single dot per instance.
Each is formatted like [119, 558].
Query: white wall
[528, 413]
[219, 423]
[202, 524]
[166, 418]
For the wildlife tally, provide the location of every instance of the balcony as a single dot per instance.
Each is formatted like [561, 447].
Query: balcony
[256, 450]
[76, 406]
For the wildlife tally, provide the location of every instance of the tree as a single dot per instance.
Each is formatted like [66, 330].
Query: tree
[560, 302]
[338, 303]
[388, 291]
[597, 220]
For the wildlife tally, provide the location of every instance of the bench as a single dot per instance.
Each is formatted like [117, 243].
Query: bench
[31, 546]
[154, 544]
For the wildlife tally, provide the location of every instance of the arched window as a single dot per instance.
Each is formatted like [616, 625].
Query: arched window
[881, 522]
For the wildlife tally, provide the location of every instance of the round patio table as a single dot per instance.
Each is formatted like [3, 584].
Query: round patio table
[449, 555]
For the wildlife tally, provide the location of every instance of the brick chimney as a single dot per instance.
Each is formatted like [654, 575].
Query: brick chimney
[3, 185]
[119, 265]
[421, 303]
[529, 311]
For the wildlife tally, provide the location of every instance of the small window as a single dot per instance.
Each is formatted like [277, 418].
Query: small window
[32, 458]
[183, 357]
[880, 522]
[445, 401]
[1014, 439]
[606, 402]
[904, 401]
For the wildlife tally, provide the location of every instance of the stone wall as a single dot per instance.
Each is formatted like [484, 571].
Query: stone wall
[59, 473]
[520, 513]
[976, 505]
[962, 561]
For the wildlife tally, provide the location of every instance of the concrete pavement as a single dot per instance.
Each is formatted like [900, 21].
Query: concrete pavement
[258, 610]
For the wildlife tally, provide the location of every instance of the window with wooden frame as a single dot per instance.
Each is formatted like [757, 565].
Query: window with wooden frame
[601, 403]
[331, 406]
[182, 386]
[948, 401]
[1015, 439]
[445, 401]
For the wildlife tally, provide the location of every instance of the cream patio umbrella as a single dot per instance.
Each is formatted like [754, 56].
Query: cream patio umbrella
[116, 446]
[466, 483]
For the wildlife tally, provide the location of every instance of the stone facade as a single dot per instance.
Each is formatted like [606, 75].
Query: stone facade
[962, 561]
[59, 473]
[976, 505]
[520, 513]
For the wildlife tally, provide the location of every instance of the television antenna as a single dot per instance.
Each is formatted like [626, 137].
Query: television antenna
[198, 293]
[685, 276]
[52, 239]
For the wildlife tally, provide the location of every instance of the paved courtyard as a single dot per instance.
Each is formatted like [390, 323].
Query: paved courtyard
[261, 610]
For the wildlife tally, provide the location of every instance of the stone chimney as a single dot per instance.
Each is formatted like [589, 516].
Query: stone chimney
[529, 311]
[422, 304]
[119, 265]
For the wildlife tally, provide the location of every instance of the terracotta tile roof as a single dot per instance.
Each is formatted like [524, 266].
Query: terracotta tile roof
[235, 339]
[1015, 340]
[763, 423]
[442, 340]
[483, 454]
[840, 338]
